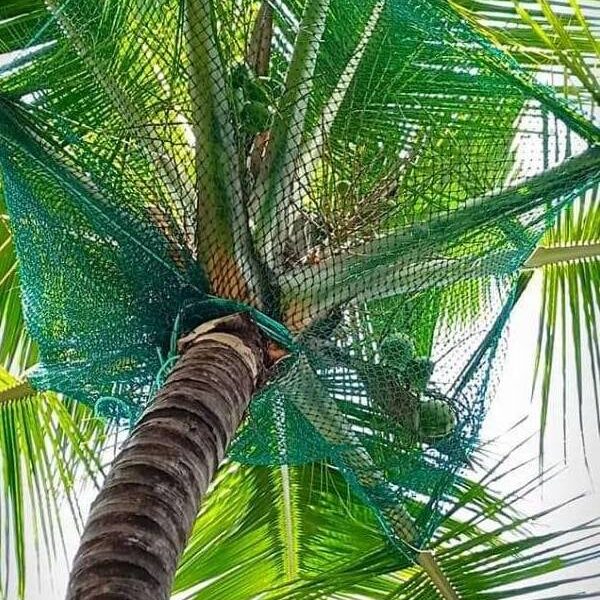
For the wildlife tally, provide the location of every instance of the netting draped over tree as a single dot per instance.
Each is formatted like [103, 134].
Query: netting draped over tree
[354, 173]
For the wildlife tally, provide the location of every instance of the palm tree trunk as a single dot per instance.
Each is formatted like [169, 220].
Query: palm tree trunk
[140, 522]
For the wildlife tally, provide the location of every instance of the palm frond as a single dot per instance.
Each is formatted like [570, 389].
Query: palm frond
[555, 39]
[16, 351]
[242, 549]
[568, 354]
[46, 447]
[17, 19]
[379, 278]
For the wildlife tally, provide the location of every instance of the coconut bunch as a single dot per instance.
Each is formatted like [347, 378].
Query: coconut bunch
[398, 385]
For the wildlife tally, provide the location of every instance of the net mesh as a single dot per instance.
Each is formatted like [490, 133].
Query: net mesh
[366, 177]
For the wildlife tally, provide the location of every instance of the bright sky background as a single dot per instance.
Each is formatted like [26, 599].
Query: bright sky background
[512, 403]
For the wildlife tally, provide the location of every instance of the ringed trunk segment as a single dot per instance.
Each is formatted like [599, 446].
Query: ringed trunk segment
[140, 522]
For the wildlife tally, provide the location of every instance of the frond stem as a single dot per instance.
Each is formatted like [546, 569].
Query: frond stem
[21, 391]
[550, 255]
[289, 534]
[430, 565]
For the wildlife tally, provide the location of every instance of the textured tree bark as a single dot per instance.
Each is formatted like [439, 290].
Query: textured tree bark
[139, 523]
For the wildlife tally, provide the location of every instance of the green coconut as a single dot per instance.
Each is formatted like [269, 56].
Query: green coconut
[436, 419]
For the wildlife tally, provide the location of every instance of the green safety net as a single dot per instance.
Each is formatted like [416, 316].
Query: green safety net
[365, 177]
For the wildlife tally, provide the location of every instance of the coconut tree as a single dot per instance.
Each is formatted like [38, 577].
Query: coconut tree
[316, 206]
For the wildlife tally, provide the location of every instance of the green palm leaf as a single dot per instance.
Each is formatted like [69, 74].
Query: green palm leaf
[46, 447]
[558, 42]
[556, 39]
[568, 350]
[15, 348]
[244, 549]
